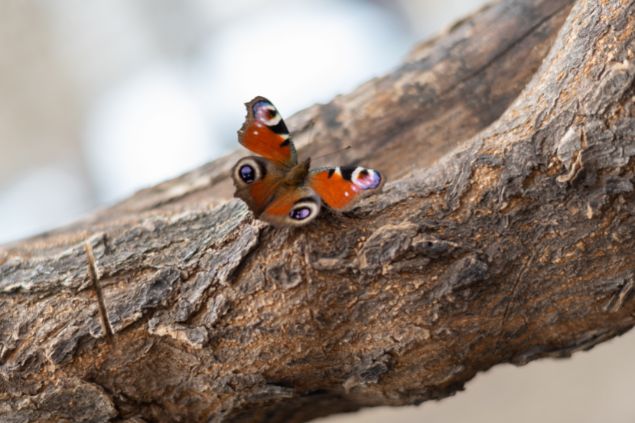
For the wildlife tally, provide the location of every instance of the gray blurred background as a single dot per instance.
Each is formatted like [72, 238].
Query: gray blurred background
[101, 98]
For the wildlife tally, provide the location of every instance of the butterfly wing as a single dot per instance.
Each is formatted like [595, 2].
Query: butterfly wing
[340, 187]
[259, 184]
[257, 180]
[260, 180]
[292, 207]
[265, 133]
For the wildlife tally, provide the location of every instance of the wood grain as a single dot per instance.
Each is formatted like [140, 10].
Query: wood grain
[507, 234]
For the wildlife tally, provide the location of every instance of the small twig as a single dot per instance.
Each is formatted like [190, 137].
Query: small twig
[94, 277]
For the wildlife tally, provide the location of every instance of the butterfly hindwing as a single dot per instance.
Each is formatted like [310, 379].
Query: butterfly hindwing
[265, 133]
[340, 187]
[294, 206]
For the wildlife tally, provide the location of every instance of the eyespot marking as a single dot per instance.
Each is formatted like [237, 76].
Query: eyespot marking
[304, 210]
[366, 178]
[300, 213]
[247, 174]
[247, 171]
[266, 113]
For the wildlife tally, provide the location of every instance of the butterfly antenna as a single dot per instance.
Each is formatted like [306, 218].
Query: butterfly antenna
[312, 128]
[348, 147]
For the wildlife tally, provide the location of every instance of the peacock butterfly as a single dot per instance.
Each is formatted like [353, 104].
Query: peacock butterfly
[280, 190]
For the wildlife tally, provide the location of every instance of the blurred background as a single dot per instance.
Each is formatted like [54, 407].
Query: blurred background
[101, 98]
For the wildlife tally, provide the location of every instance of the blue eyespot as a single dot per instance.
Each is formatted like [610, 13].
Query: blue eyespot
[300, 213]
[247, 174]
[366, 178]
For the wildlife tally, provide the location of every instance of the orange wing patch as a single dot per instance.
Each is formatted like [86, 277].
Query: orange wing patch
[294, 207]
[258, 138]
[339, 188]
[265, 133]
[334, 190]
[261, 192]
[282, 205]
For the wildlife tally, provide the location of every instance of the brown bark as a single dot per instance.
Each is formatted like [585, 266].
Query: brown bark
[507, 234]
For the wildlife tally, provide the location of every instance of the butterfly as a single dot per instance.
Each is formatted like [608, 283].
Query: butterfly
[282, 191]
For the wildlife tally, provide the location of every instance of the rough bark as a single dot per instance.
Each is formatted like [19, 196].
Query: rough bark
[507, 235]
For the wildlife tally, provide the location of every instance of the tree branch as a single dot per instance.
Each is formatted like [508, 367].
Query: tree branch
[507, 235]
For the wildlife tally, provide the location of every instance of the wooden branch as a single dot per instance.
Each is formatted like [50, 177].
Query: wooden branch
[507, 235]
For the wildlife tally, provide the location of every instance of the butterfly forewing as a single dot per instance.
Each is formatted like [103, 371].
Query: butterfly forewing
[340, 187]
[265, 133]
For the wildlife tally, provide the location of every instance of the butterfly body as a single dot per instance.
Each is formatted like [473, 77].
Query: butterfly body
[298, 174]
[281, 190]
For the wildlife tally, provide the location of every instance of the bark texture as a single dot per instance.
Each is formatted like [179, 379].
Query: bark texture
[507, 235]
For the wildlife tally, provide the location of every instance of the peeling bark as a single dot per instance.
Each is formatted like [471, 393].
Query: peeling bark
[507, 235]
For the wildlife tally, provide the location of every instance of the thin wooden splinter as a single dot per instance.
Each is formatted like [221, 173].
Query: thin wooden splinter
[94, 277]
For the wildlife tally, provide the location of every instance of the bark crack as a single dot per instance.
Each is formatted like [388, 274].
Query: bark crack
[94, 278]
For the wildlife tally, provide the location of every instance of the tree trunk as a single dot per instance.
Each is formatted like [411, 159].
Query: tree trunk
[507, 234]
